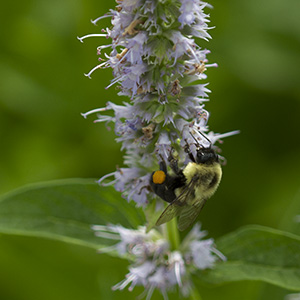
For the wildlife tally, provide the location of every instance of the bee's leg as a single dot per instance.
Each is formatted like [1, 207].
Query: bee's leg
[160, 184]
[174, 164]
[189, 153]
[163, 189]
[163, 165]
[191, 156]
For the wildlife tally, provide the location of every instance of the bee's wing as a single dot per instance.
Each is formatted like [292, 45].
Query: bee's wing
[189, 214]
[177, 206]
[171, 211]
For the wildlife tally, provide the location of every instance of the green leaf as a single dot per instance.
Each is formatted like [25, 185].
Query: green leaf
[65, 210]
[290, 220]
[258, 253]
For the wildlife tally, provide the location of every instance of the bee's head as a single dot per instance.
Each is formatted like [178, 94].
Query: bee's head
[206, 156]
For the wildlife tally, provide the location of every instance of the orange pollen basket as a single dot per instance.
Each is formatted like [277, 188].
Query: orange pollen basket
[159, 177]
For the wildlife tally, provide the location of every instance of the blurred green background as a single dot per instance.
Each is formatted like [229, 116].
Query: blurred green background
[256, 89]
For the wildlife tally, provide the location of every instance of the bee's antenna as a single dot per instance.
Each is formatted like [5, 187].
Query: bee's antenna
[197, 142]
[206, 138]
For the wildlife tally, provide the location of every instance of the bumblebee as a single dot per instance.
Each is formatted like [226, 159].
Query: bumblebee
[188, 189]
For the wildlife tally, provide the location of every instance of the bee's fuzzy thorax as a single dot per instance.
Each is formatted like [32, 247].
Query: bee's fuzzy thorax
[192, 168]
[208, 178]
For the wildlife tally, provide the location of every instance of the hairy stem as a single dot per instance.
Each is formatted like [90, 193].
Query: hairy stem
[194, 295]
[173, 234]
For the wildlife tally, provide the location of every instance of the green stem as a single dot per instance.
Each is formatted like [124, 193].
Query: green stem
[173, 234]
[194, 295]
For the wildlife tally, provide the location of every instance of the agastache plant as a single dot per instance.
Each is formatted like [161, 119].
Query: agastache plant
[158, 65]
